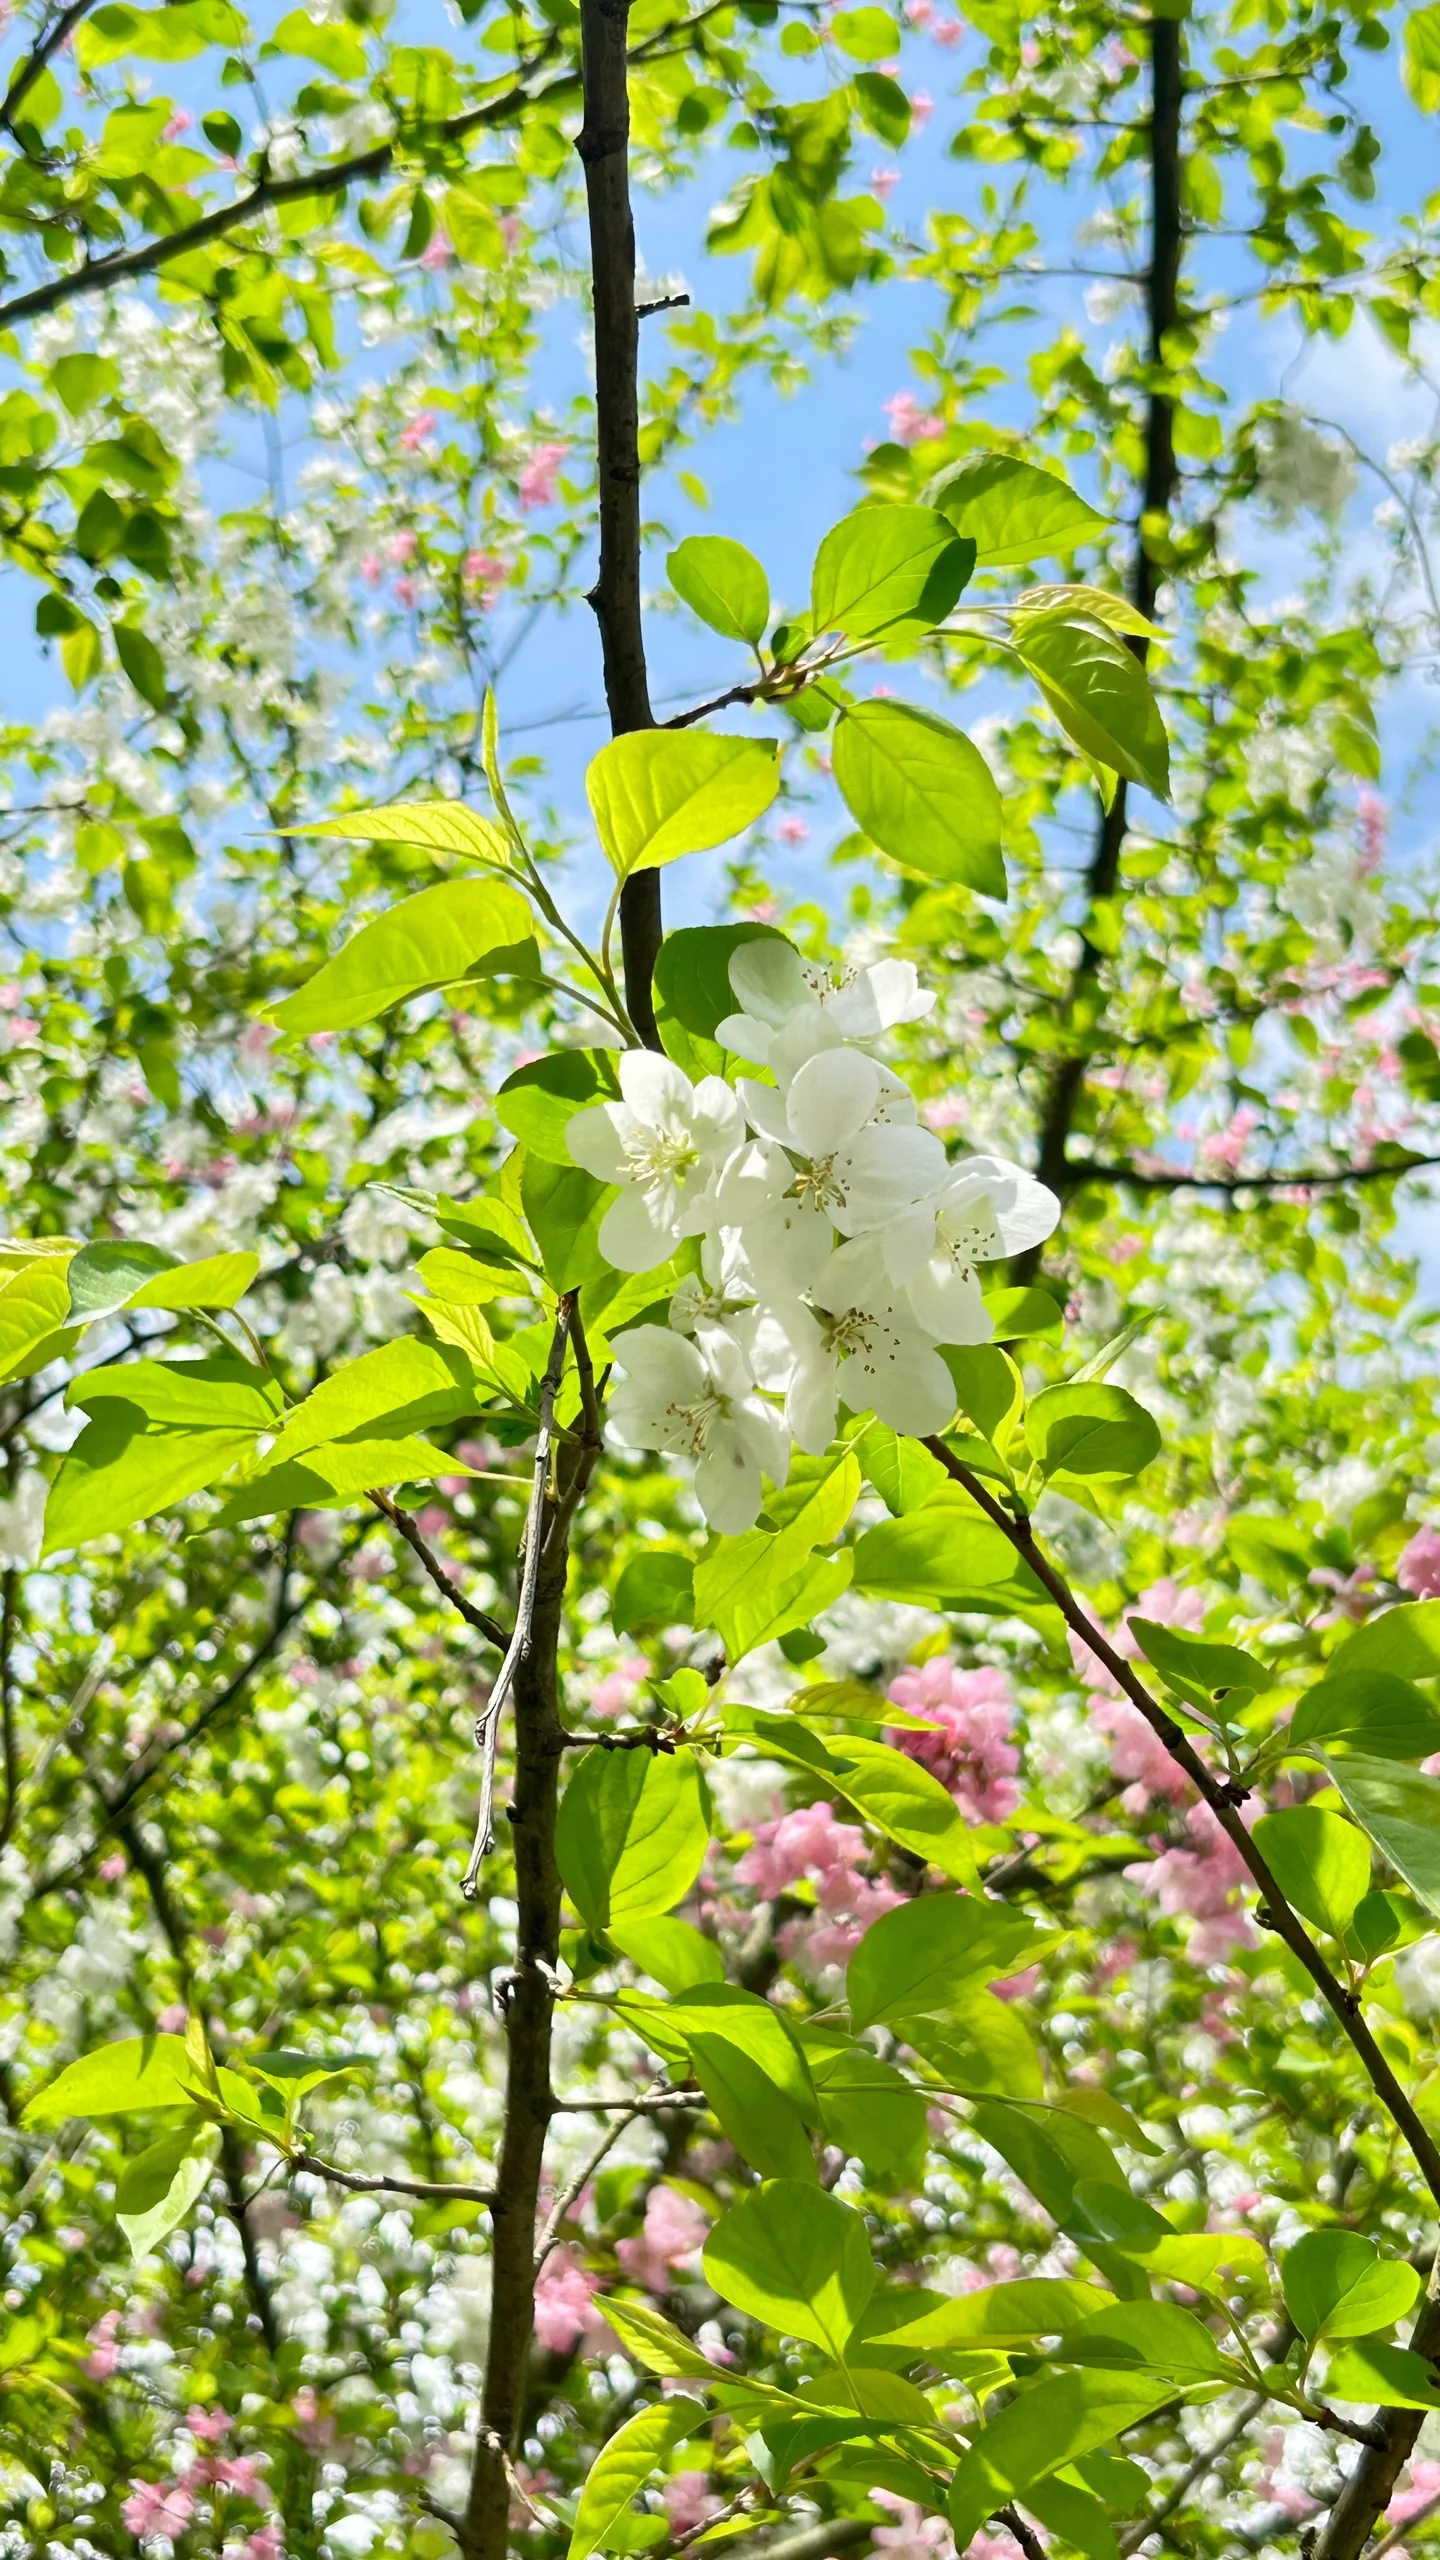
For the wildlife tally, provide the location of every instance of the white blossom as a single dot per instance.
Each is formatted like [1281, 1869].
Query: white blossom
[698, 1399]
[664, 1142]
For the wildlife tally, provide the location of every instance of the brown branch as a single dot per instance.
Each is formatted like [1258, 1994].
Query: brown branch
[575, 2186]
[1302, 1179]
[7, 1703]
[1223, 1798]
[666, 302]
[26, 73]
[603, 144]
[430, 2190]
[480, 1619]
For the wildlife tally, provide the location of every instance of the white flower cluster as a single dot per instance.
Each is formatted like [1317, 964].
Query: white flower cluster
[838, 1247]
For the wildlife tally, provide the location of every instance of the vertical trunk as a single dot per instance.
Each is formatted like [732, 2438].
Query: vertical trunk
[604, 145]
[604, 151]
[1157, 492]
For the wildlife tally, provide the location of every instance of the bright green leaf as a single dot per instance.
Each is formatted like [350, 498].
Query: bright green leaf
[462, 929]
[632, 1833]
[625, 2464]
[796, 2258]
[1337, 2285]
[156, 2191]
[722, 582]
[922, 792]
[658, 793]
[888, 572]
[1098, 691]
[1011, 510]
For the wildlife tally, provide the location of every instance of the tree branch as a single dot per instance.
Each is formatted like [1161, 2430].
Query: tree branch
[432, 2191]
[490, 1628]
[1223, 1799]
[26, 73]
[1302, 1179]
[603, 144]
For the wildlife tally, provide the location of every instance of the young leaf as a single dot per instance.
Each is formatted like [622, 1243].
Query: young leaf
[335, 1474]
[796, 2258]
[1404, 1641]
[623, 2466]
[915, 1961]
[129, 2077]
[464, 929]
[1097, 689]
[156, 2191]
[1381, 2376]
[1199, 1661]
[34, 1305]
[1120, 614]
[218, 1281]
[194, 1395]
[722, 582]
[439, 826]
[1158, 2335]
[740, 1592]
[1400, 1810]
[105, 1277]
[922, 792]
[750, 2110]
[906, 1801]
[1337, 2285]
[632, 1833]
[1000, 2315]
[656, 1589]
[1046, 2425]
[565, 1206]
[123, 1469]
[538, 1102]
[403, 1385]
[673, 1952]
[888, 571]
[868, 2108]
[1369, 1711]
[1095, 1432]
[658, 793]
[1012, 511]
[654, 2343]
[948, 1555]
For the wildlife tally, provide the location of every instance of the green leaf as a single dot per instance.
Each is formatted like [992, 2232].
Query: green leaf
[142, 663]
[404, 1385]
[1019, 1315]
[34, 1305]
[193, 1395]
[1011, 510]
[1198, 1662]
[564, 1207]
[1000, 2315]
[982, 2047]
[1098, 691]
[692, 973]
[795, 2258]
[922, 792]
[902, 1470]
[298, 2073]
[127, 2078]
[722, 582]
[329, 42]
[1159, 2335]
[867, 35]
[1370, 1711]
[654, 2343]
[658, 793]
[751, 1592]
[1383, 1923]
[104, 1277]
[624, 2465]
[948, 1555]
[538, 1102]
[906, 1801]
[217, 1282]
[917, 1960]
[1337, 2285]
[673, 1952]
[84, 380]
[868, 2108]
[1404, 1641]
[1400, 1811]
[632, 1833]
[738, 2017]
[1422, 58]
[1075, 2516]
[1098, 1433]
[437, 826]
[750, 2110]
[1046, 2425]
[336, 1474]
[460, 930]
[1060, 2158]
[655, 1590]
[1096, 601]
[890, 572]
[156, 2191]
[884, 107]
[123, 1469]
[1376, 2375]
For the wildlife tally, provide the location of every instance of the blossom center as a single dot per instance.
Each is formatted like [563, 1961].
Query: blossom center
[661, 1155]
[693, 1424]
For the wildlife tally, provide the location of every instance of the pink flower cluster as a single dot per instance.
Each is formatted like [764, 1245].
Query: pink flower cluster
[621, 1687]
[158, 2507]
[970, 1752]
[536, 484]
[565, 2310]
[689, 2499]
[913, 2535]
[810, 1844]
[674, 2234]
[1137, 1755]
[1204, 1881]
[909, 423]
[1418, 1570]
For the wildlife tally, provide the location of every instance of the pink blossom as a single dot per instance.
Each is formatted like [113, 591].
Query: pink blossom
[315, 1531]
[883, 183]
[312, 2429]
[793, 831]
[433, 1521]
[970, 1751]
[1224, 1148]
[808, 1842]
[482, 570]
[174, 2020]
[112, 1868]
[180, 122]
[948, 31]
[1422, 2489]
[370, 569]
[689, 2500]
[620, 1687]
[536, 484]
[476, 1453]
[511, 232]
[437, 253]
[104, 2357]
[764, 911]
[402, 546]
[564, 2304]
[1418, 1570]
[1138, 1755]
[919, 12]
[909, 423]
[922, 108]
[405, 592]
[913, 2535]
[239, 2474]
[945, 1112]
[1204, 1881]
[266, 2543]
[1374, 826]
[152, 2508]
[675, 2231]
[417, 431]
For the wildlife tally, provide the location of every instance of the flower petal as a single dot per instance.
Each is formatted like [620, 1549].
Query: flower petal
[831, 1098]
[664, 1364]
[596, 1140]
[764, 1108]
[812, 1407]
[746, 1036]
[914, 1391]
[728, 1487]
[631, 1236]
[769, 978]
[944, 1296]
[658, 1091]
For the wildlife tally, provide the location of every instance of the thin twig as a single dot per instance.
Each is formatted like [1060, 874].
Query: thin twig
[666, 302]
[1223, 1798]
[480, 1619]
[575, 2186]
[487, 1723]
[429, 2190]
[7, 1703]
[28, 72]
[646, 2105]
[1304, 1178]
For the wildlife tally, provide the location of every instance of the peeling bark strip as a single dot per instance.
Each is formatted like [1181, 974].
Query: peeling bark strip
[1084, 1001]
[604, 148]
